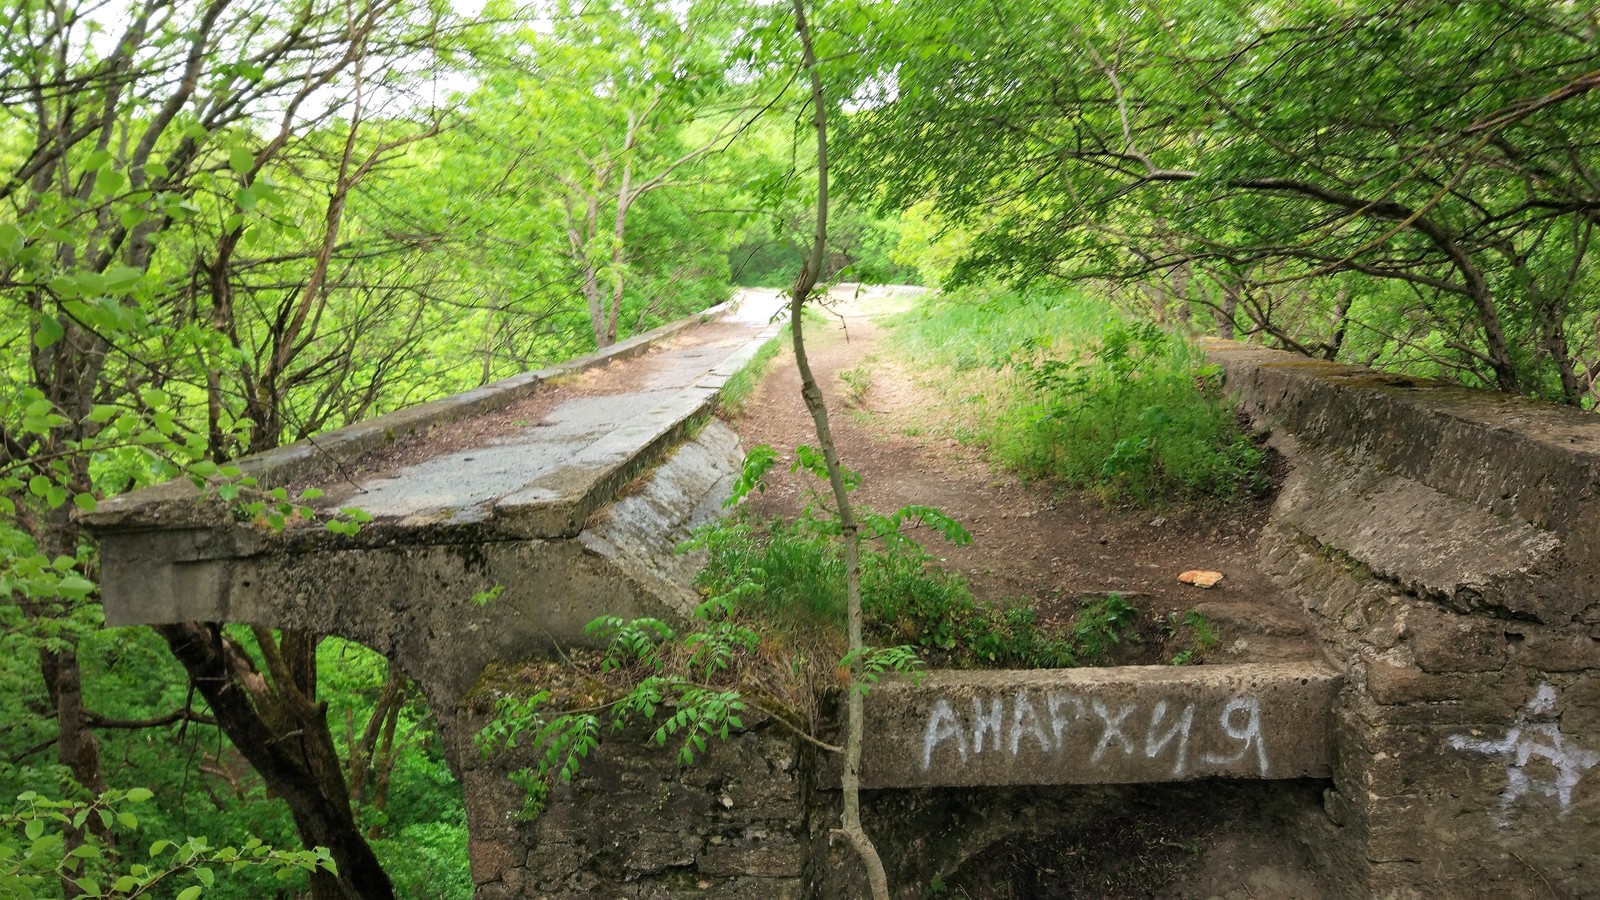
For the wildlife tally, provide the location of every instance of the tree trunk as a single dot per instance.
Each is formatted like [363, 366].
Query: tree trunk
[302, 768]
[849, 529]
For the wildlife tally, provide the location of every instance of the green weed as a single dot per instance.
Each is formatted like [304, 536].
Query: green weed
[738, 388]
[1077, 392]
[857, 382]
[1202, 636]
[793, 573]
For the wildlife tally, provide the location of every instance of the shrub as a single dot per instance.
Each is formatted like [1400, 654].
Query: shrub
[793, 573]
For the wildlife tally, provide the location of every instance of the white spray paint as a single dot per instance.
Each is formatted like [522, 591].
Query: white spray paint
[1249, 734]
[1111, 729]
[1057, 702]
[1181, 726]
[1025, 720]
[1087, 730]
[1535, 734]
[986, 723]
[942, 725]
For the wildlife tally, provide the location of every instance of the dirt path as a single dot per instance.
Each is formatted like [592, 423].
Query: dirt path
[1051, 547]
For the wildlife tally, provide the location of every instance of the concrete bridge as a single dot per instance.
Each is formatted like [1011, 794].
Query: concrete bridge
[1442, 543]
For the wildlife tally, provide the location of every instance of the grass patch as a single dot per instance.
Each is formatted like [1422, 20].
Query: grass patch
[738, 388]
[857, 382]
[1068, 388]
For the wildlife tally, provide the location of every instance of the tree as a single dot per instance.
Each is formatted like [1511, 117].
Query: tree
[1332, 173]
[849, 527]
[134, 172]
[616, 91]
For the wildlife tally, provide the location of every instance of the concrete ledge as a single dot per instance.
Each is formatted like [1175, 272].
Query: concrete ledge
[174, 501]
[1100, 726]
[1477, 499]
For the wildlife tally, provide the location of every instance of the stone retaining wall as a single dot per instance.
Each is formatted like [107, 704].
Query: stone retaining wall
[1446, 545]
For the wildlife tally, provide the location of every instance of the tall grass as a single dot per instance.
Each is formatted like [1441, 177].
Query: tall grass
[741, 384]
[1063, 386]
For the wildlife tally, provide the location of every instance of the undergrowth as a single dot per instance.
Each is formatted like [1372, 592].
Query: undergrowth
[792, 574]
[770, 633]
[1061, 386]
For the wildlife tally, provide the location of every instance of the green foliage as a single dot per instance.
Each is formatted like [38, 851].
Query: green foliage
[1407, 184]
[1068, 389]
[683, 683]
[1100, 625]
[792, 573]
[1202, 636]
[35, 857]
[484, 598]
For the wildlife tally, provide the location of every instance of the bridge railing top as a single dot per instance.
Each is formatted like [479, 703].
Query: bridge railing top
[179, 504]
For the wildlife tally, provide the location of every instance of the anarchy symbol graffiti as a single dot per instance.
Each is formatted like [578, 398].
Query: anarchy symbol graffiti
[1535, 735]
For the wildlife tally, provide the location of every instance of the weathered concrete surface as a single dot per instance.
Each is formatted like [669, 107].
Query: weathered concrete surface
[453, 527]
[1100, 725]
[1446, 545]
[635, 824]
[177, 501]
[413, 602]
[1493, 500]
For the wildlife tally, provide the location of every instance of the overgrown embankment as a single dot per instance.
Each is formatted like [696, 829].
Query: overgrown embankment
[1062, 386]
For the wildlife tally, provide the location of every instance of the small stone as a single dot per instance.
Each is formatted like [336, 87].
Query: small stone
[1200, 578]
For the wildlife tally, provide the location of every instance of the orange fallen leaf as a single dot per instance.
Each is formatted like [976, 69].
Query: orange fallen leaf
[1200, 578]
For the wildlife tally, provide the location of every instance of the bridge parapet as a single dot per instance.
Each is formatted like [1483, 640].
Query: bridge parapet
[1120, 725]
[1445, 543]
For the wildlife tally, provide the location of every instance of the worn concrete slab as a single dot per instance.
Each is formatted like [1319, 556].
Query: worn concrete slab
[413, 601]
[1117, 725]
[1476, 499]
[543, 481]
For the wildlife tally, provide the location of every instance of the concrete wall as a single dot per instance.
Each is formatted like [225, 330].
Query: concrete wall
[1446, 545]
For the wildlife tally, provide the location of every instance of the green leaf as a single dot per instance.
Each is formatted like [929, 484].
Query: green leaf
[75, 587]
[110, 181]
[241, 160]
[49, 331]
[132, 217]
[119, 277]
[191, 892]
